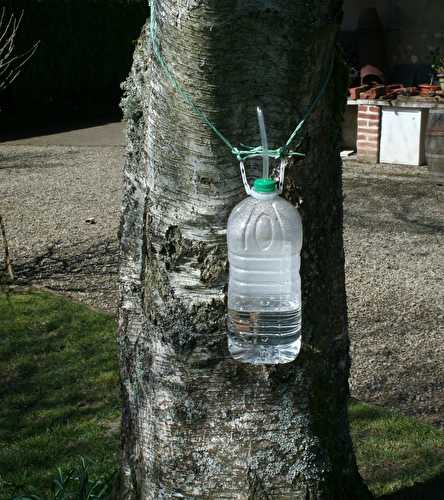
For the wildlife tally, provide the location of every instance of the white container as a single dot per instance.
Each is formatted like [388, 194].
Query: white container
[264, 294]
[403, 136]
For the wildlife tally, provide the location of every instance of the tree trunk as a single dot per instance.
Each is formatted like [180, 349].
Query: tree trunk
[197, 424]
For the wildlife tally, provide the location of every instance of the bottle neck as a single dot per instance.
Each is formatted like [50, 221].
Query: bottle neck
[263, 196]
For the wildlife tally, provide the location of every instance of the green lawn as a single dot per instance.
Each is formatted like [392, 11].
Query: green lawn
[394, 451]
[60, 401]
[59, 390]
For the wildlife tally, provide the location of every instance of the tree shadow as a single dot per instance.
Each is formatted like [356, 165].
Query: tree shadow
[33, 159]
[70, 266]
[433, 489]
[408, 215]
[57, 127]
[385, 205]
[397, 453]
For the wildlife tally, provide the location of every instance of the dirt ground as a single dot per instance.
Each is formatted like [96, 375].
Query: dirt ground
[60, 198]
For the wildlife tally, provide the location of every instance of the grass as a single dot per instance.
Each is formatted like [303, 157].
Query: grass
[394, 451]
[59, 390]
[60, 401]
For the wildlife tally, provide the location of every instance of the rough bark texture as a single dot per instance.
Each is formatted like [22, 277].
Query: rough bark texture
[197, 424]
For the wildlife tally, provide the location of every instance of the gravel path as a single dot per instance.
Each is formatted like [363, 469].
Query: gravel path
[61, 207]
[394, 230]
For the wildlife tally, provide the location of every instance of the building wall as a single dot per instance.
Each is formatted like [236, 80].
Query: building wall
[352, 9]
[413, 27]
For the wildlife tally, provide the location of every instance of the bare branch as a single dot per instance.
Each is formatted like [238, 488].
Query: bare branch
[8, 262]
[10, 64]
[13, 74]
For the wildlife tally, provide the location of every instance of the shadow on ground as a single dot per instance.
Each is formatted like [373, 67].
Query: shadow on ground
[56, 127]
[433, 489]
[85, 271]
[70, 265]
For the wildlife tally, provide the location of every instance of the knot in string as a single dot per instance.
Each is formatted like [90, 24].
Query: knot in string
[259, 152]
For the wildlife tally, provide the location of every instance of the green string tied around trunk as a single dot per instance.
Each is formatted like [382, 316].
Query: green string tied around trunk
[243, 152]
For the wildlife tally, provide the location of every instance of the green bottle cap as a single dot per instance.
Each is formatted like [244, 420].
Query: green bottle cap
[264, 185]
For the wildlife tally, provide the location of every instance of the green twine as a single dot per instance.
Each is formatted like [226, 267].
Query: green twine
[247, 151]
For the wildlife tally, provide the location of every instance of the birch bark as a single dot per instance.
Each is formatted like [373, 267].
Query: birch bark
[195, 423]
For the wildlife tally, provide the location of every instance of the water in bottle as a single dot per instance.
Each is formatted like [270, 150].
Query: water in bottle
[264, 294]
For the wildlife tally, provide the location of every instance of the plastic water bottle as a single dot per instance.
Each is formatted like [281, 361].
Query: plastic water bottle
[264, 293]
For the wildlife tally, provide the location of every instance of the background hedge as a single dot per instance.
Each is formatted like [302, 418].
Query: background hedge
[85, 53]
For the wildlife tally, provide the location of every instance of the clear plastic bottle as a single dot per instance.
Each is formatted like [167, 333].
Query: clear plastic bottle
[264, 293]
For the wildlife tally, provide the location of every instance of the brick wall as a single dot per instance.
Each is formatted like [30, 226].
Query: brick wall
[369, 133]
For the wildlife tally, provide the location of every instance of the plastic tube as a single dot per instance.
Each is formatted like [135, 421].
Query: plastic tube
[264, 141]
